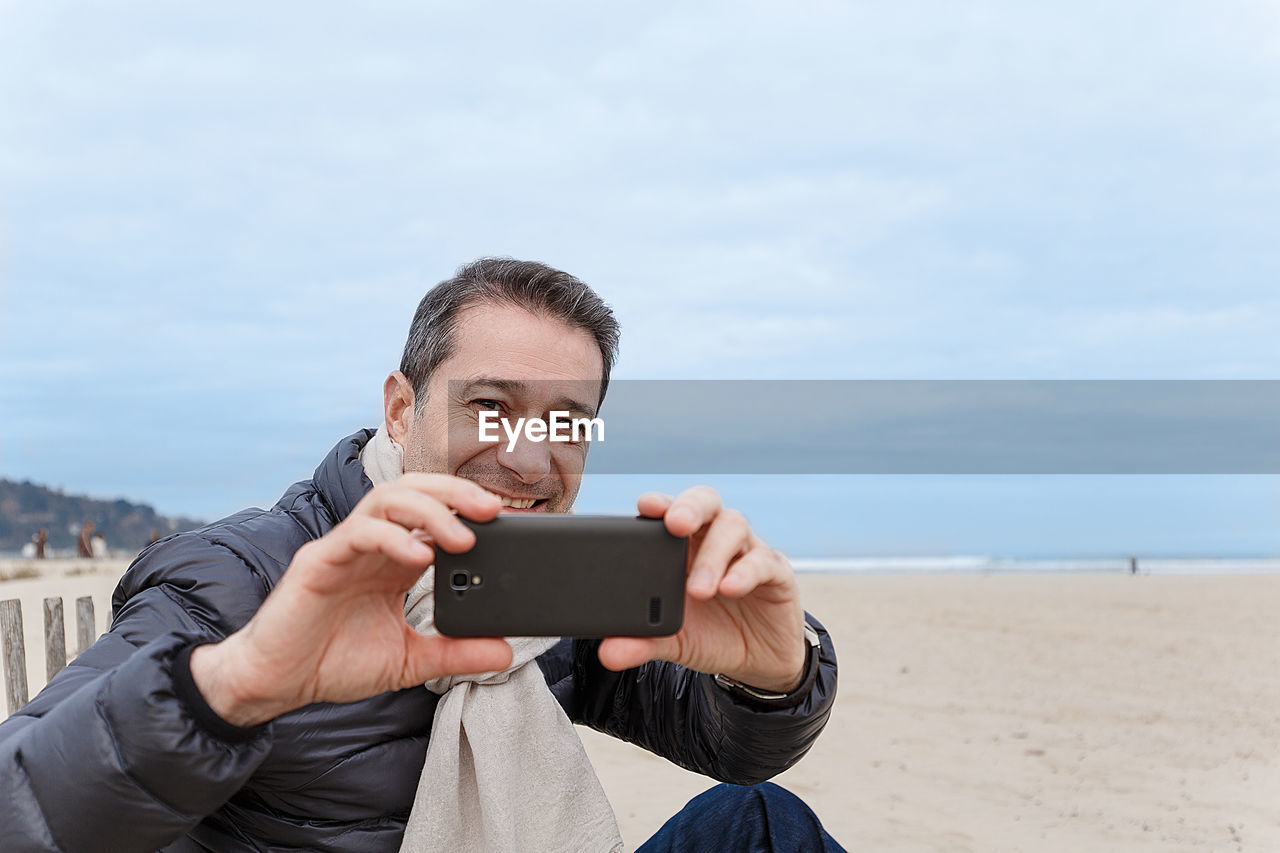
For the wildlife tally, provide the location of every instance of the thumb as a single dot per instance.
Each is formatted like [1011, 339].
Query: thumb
[619, 653]
[436, 655]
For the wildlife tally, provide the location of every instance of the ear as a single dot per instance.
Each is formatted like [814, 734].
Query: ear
[398, 406]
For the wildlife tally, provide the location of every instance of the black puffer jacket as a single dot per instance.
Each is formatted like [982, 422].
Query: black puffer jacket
[115, 754]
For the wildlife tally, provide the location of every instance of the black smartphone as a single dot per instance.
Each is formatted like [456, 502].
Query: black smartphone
[552, 575]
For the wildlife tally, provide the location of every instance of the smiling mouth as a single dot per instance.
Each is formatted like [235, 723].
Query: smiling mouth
[526, 504]
[522, 503]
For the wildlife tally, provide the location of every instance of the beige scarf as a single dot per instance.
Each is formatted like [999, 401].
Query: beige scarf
[505, 769]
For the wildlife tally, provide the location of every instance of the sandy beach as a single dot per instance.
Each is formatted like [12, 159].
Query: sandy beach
[1057, 712]
[1029, 713]
[67, 579]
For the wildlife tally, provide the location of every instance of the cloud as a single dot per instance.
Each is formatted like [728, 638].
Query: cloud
[197, 203]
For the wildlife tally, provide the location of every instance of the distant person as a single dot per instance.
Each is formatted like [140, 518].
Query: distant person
[84, 544]
[1133, 565]
[98, 546]
[41, 539]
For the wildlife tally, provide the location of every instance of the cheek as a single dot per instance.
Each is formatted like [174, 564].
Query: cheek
[413, 459]
[569, 459]
[462, 445]
[424, 455]
[570, 477]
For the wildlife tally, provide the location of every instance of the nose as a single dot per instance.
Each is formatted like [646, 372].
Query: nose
[529, 461]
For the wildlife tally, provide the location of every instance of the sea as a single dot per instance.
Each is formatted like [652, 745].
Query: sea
[1008, 565]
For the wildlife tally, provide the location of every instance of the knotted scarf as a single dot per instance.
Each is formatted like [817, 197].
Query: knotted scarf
[505, 769]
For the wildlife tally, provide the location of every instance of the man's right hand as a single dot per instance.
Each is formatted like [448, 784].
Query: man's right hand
[333, 629]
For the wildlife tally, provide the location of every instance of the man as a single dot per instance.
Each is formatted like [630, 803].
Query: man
[235, 705]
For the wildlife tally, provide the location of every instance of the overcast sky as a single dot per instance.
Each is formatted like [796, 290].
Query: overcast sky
[217, 221]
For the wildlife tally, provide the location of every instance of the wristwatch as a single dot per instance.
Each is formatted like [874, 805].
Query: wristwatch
[764, 698]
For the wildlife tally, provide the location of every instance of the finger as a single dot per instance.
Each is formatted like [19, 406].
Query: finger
[693, 509]
[619, 653]
[325, 565]
[726, 538]
[436, 655]
[415, 510]
[756, 567]
[653, 504]
[468, 498]
[359, 536]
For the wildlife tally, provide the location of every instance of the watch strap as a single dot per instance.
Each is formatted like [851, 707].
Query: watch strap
[768, 699]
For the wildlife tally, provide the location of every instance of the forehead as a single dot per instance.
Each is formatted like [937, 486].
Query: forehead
[510, 342]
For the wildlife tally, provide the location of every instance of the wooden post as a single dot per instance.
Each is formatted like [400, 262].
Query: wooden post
[15, 654]
[86, 626]
[55, 638]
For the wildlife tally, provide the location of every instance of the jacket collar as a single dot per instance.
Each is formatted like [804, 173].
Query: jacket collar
[340, 479]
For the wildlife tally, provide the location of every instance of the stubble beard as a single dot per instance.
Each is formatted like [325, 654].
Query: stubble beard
[488, 474]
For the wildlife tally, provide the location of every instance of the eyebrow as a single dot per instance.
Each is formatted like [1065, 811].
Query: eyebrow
[519, 388]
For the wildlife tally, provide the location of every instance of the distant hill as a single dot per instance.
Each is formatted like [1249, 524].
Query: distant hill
[26, 507]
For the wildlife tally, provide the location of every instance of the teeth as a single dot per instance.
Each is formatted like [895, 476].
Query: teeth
[519, 503]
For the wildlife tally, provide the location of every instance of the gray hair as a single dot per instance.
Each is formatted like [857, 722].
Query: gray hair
[525, 284]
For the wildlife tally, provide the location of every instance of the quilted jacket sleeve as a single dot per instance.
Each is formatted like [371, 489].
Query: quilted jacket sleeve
[107, 756]
[685, 717]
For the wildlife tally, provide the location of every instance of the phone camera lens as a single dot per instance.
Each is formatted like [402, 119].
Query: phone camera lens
[460, 580]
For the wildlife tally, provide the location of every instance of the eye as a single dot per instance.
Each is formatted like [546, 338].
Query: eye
[488, 405]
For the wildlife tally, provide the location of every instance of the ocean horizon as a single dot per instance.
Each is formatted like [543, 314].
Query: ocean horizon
[1034, 565]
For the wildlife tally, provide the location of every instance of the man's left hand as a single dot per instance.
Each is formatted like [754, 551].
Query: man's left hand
[742, 612]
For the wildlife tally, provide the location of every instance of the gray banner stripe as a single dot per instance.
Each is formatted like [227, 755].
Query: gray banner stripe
[940, 427]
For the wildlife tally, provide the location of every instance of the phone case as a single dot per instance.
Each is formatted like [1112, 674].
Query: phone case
[563, 576]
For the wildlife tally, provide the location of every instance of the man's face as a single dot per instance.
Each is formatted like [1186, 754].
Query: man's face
[519, 364]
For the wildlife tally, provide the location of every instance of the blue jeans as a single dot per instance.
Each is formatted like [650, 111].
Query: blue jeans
[743, 819]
